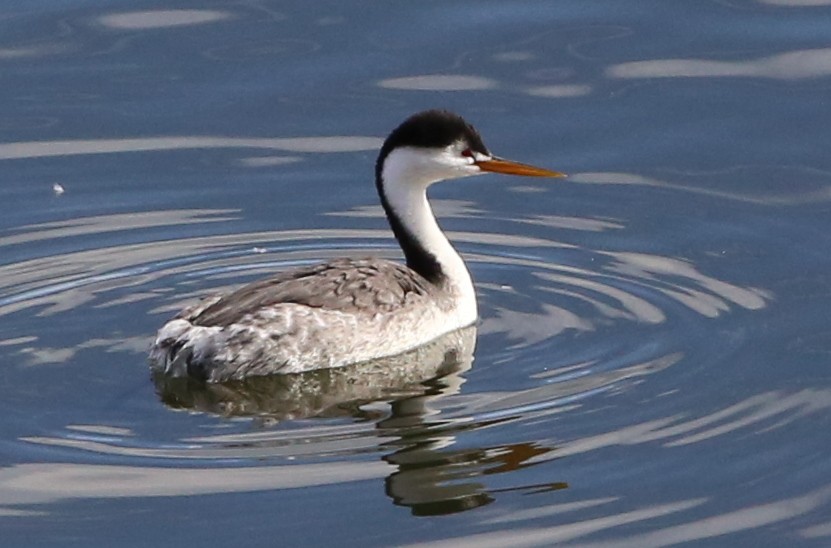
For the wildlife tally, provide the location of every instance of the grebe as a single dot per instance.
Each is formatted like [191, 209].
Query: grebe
[350, 310]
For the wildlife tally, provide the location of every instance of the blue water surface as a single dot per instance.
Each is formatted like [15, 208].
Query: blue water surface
[651, 367]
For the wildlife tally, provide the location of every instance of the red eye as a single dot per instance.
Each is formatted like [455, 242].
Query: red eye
[467, 153]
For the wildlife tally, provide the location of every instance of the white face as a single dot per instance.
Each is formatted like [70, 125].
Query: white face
[425, 166]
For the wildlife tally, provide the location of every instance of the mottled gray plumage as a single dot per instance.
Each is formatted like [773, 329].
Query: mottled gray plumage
[326, 315]
[352, 286]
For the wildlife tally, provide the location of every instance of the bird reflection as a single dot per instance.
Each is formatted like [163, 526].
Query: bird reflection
[432, 477]
[432, 480]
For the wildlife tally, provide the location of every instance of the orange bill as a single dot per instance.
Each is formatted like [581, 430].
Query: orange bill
[500, 165]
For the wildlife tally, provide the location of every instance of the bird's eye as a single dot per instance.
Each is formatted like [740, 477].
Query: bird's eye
[467, 153]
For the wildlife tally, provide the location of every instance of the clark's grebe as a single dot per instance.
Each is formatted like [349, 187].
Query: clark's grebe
[350, 310]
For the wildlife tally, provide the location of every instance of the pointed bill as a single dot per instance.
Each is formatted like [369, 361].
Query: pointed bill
[500, 165]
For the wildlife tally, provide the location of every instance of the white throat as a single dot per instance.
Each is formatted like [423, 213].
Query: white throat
[407, 173]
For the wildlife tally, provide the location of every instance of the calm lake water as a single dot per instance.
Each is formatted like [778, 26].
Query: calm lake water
[651, 367]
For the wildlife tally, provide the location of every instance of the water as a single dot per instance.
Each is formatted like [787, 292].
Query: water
[651, 365]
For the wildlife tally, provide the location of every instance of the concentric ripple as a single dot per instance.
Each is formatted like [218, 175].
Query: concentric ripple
[560, 325]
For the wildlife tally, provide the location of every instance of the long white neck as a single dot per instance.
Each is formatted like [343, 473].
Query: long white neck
[405, 177]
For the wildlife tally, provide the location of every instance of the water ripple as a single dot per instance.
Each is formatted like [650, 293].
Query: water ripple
[544, 351]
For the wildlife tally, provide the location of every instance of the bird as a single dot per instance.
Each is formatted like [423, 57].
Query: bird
[350, 310]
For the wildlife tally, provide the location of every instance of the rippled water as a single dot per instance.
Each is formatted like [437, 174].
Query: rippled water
[651, 364]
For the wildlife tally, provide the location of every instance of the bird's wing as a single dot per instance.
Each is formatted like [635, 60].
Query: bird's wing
[346, 285]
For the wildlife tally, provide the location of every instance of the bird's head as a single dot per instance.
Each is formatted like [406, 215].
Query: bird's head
[436, 145]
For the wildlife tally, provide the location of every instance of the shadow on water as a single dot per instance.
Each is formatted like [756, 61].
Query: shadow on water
[429, 477]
